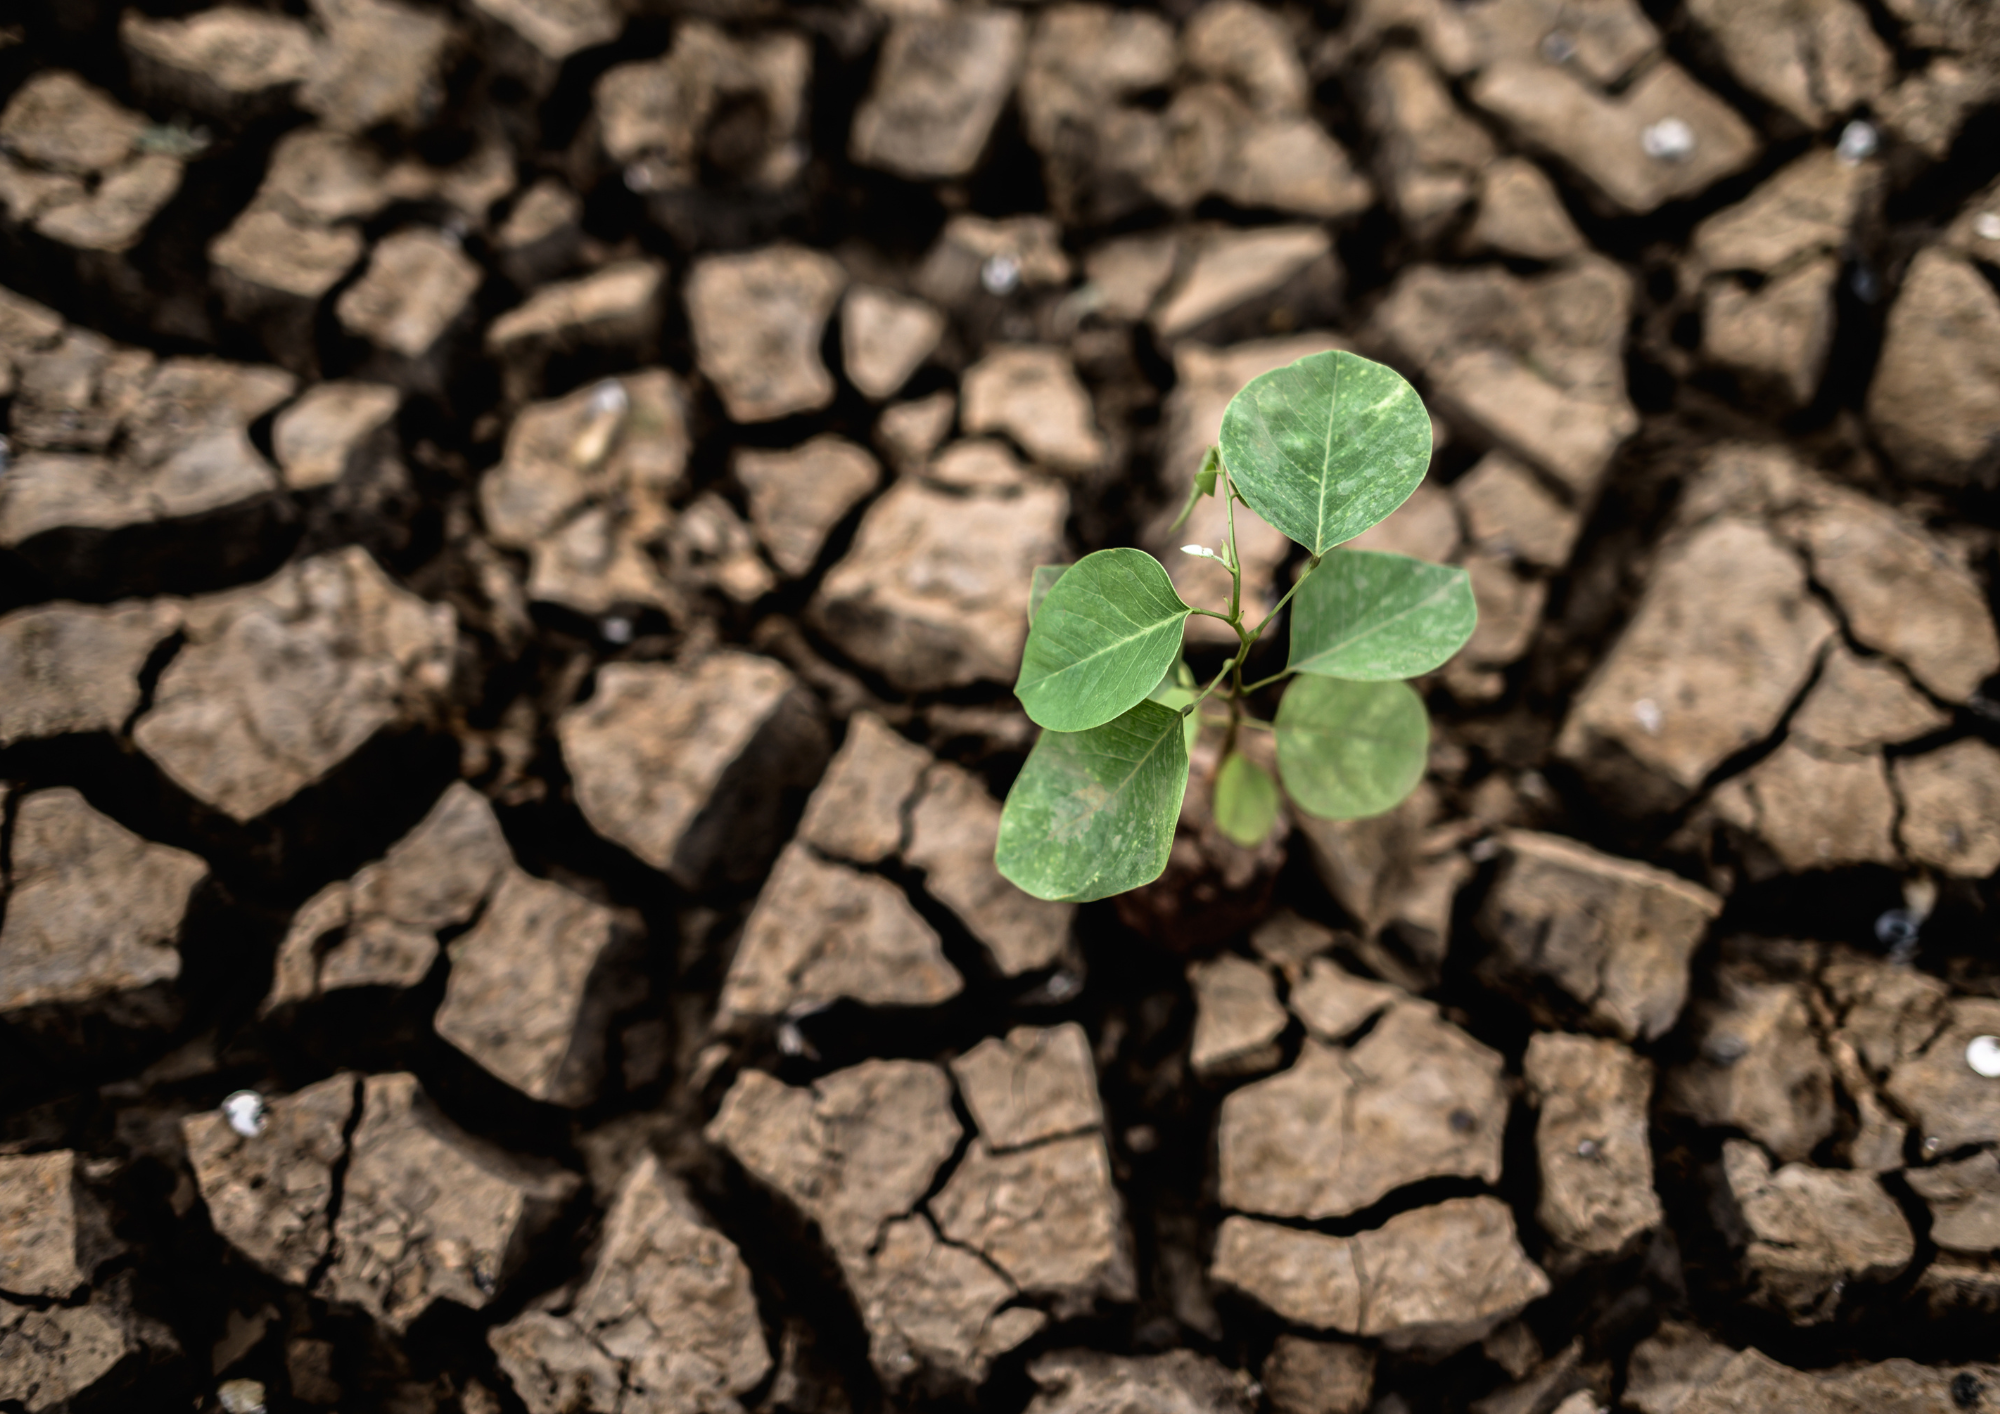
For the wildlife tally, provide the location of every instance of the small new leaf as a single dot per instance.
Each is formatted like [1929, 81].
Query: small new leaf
[1246, 800]
[1106, 634]
[1327, 446]
[1092, 813]
[1204, 485]
[1376, 617]
[1351, 749]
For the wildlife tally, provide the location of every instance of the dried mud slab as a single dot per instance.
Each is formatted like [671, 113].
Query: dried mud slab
[1725, 637]
[688, 766]
[925, 604]
[1415, 1098]
[1436, 1278]
[1615, 935]
[429, 1213]
[822, 932]
[1178, 1382]
[798, 496]
[56, 1236]
[757, 320]
[355, 654]
[270, 1193]
[379, 929]
[530, 994]
[1759, 1068]
[585, 487]
[939, 87]
[1593, 1143]
[1237, 1018]
[1808, 1232]
[93, 914]
[76, 667]
[666, 1318]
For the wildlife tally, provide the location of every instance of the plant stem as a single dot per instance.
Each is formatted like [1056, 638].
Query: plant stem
[1235, 565]
[1266, 682]
[1212, 686]
[1311, 565]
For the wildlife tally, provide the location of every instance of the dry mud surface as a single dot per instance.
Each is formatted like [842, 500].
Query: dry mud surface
[515, 525]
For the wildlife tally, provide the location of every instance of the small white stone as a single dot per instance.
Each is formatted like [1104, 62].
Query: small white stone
[644, 176]
[604, 418]
[1646, 712]
[1061, 986]
[1982, 1053]
[1858, 142]
[241, 1397]
[1001, 274]
[1669, 140]
[1986, 225]
[245, 1111]
[1557, 47]
[616, 630]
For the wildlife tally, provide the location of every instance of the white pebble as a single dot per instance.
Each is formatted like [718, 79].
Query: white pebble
[1669, 140]
[241, 1397]
[245, 1111]
[1557, 47]
[1858, 142]
[1061, 986]
[1986, 225]
[1982, 1053]
[1001, 274]
[616, 630]
[604, 418]
[1646, 712]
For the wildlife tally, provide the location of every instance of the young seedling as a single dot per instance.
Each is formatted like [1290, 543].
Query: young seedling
[1322, 449]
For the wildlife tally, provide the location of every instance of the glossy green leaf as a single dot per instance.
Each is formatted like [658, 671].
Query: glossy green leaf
[1375, 617]
[1108, 631]
[1326, 447]
[1039, 587]
[1092, 813]
[1351, 749]
[1246, 800]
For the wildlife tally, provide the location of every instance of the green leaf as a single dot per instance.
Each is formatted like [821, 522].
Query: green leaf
[1351, 749]
[1039, 587]
[1246, 800]
[1106, 634]
[1326, 447]
[1204, 485]
[1092, 813]
[1375, 617]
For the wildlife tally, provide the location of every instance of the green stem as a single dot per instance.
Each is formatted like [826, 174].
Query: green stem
[1214, 615]
[1235, 565]
[1213, 685]
[1311, 565]
[1266, 682]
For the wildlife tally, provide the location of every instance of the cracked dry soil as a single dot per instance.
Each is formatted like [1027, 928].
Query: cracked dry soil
[515, 525]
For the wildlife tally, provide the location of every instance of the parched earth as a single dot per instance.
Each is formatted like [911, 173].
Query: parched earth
[515, 528]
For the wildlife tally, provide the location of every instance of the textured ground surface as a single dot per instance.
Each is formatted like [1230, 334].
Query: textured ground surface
[515, 526]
